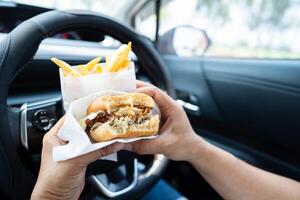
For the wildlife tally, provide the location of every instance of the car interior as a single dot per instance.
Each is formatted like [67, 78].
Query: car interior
[233, 67]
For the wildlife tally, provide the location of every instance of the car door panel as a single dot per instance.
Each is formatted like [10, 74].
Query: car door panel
[254, 103]
[260, 95]
[188, 78]
[283, 72]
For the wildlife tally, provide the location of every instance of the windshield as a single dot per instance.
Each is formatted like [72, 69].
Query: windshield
[114, 8]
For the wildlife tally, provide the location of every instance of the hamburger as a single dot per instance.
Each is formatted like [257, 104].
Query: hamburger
[121, 116]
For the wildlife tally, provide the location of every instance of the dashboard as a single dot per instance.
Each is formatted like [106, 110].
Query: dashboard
[7, 25]
[40, 79]
[12, 14]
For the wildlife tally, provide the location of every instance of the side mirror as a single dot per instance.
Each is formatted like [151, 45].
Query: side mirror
[184, 41]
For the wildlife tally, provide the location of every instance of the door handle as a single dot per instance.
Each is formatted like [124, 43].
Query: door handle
[189, 107]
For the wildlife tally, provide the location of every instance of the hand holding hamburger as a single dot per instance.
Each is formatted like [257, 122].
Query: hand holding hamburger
[121, 116]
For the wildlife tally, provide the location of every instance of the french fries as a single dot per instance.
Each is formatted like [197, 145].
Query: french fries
[67, 69]
[83, 70]
[107, 59]
[92, 63]
[118, 61]
[97, 69]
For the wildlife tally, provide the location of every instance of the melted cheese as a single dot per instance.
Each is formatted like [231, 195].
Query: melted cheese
[129, 101]
[107, 106]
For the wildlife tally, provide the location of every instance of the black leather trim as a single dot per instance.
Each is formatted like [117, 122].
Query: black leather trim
[4, 46]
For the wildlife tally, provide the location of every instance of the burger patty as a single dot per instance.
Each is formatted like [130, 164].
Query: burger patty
[105, 116]
[101, 117]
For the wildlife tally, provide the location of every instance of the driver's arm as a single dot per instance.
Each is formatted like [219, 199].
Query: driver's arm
[64, 180]
[229, 176]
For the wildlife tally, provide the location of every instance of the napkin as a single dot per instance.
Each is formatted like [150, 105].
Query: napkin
[78, 141]
[73, 88]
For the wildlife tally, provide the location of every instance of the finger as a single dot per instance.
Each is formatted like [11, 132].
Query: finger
[140, 84]
[144, 146]
[95, 155]
[54, 130]
[164, 102]
[51, 139]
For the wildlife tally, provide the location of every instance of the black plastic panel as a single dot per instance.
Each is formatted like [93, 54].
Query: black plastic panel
[253, 103]
[261, 95]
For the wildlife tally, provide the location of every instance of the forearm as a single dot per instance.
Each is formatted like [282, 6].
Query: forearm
[235, 179]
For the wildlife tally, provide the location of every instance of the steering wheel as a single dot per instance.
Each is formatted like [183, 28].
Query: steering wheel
[16, 135]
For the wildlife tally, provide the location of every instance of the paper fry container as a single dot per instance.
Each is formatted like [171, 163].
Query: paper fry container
[73, 88]
[78, 141]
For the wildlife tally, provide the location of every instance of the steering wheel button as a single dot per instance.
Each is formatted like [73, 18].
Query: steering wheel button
[44, 121]
[43, 113]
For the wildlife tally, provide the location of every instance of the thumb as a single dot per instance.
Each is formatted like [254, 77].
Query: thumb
[95, 155]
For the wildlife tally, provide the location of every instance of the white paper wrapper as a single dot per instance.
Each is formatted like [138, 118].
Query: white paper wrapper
[78, 141]
[73, 88]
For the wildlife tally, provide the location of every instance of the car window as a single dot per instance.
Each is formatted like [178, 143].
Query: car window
[145, 20]
[240, 29]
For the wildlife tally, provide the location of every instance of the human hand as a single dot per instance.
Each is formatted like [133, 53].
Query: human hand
[64, 179]
[177, 138]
